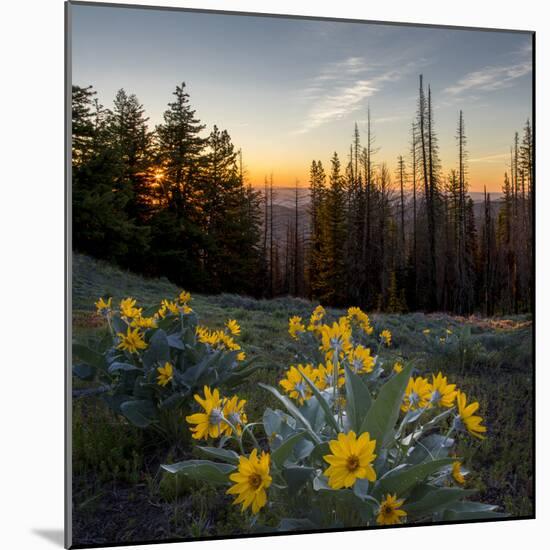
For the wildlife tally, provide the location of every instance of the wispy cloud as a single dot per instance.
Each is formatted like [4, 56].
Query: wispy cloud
[340, 89]
[491, 158]
[490, 78]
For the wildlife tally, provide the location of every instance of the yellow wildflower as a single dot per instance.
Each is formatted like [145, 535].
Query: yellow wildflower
[448, 331]
[103, 307]
[295, 385]
[336, 338]
[233, 410]
[457, 474]
[166, 374]
[426, 331]
[324, 376]
[241, 356]
[295, 327]
[210, 422]
[233, 327]
[389, 512]
[357, 314]
[131, 341]
[251, 481]
[361, 360]
[172, 307]
[351, 459]
[184, 297]
[417, 394]
[128, 308]
[443, 394]
[385, 337]
[144, 322]
[316, 318]
[397, 367]
[466, 418]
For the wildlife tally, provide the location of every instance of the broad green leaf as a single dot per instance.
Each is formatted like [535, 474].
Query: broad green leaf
[226, 455]
[285, 449]
[451, 515]
[322, 401]
[320, 451]
[292, 409]
[158, 351]
[141, 412]
[384, 411]
[297, 476]
[89, 355]
[406, 478]
[202, 470]
[84, 371]
[118, 366]
[434, 499]
[429, 447]
[174, 341]
[358, 399]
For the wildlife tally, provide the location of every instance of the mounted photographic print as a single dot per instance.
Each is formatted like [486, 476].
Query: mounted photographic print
[300, 281]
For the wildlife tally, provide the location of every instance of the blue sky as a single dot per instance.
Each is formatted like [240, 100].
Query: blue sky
[290, 90]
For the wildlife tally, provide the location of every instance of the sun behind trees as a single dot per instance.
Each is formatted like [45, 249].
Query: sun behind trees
[173, 202]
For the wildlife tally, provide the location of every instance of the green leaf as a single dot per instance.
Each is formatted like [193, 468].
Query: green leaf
[88, 355]
[406, 478]
[358, 399]
[174, 341]
[140, 413]
[292, 409]
[384, 411]
[430, 446]
[174, 401]
[296, 477]
[322, 401]
[434, 499]
[285, 449]
[202, 470]
[84, 371]
[320, 451]
[118, 366]
[295, 524]
[158, 350]
[226, 455]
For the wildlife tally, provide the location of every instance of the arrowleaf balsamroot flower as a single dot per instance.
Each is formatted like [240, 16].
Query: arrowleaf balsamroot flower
[233, 327]
[443, 394]
[336, 338]
[166, 374]
[457, 474]
[385, 337]
[128, 308]
[144, 322]
[397, 367]
[233, 410]
[389, 512]
[357, 314]
[417, 394]
[351, 459]
[295, 385]
[131, 341]
[361, 360]
[251, 481]
[316, 318]
[210, 422]
[295, 327]
[103, 307]
[324, 376]
[466, 419]
[184, 297]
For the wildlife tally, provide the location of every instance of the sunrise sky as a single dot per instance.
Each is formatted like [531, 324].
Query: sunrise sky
[290, 90]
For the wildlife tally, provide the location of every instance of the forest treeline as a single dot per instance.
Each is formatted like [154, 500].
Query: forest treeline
[172, 202]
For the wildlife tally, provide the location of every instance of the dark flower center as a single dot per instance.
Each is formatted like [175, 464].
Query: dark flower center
[387, 510]
[352, 463]
[255, 480]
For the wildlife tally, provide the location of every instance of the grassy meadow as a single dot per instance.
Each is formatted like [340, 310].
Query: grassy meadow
[119, 493]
